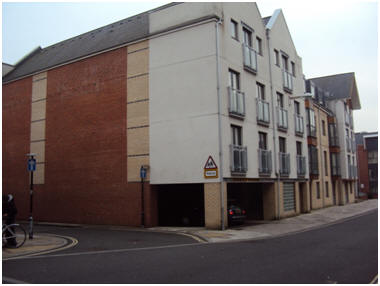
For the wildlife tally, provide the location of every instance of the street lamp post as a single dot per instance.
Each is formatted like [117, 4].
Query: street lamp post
[31, 169]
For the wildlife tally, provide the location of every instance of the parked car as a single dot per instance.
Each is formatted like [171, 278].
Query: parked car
[236, 215]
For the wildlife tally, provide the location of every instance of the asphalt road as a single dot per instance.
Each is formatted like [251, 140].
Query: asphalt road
[341, 253]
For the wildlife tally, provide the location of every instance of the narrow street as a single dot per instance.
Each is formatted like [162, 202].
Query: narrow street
[346, 252]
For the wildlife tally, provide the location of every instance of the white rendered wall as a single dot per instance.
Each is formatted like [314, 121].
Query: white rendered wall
[183, 105]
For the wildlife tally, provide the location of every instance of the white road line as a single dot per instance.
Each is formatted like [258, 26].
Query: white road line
[374, 280]
[105, 251]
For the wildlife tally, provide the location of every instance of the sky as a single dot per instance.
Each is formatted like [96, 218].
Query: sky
[331, 37]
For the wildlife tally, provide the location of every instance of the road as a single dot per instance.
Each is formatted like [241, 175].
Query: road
[345, 252]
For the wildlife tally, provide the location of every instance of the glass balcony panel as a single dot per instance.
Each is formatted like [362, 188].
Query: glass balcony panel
[236, 102]
[301, 165]
[265, 161]
[282, 118]
[262, 111]
[239, 159]
[284, 163]
[287, 80]
[249, 57]
[299, 124]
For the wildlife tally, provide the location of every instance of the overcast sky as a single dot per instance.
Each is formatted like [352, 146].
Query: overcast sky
[331, 36]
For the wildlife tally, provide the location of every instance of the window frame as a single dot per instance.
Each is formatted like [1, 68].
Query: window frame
[259, 46]
[234, 29]
[260, 91]
[237, 135]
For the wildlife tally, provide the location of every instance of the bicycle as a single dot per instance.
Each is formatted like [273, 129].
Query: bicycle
[13, 232]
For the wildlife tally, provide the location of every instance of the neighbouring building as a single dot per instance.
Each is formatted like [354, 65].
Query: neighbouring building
[367, 153]
[207, 98]
[340, 95]
[6, 68]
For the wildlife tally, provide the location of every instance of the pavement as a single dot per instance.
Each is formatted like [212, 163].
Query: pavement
[43, 243]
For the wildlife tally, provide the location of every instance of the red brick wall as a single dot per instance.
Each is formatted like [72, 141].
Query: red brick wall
[85, 148]
[16, 137]
[363, 168]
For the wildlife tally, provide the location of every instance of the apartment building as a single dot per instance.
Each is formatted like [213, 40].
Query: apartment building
[340, 95]
[207, 99]
[367, 154]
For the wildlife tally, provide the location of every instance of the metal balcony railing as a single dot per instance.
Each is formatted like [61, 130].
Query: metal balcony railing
[299, 127]
[352, 171]
[284, 163]
[347, 118]
[348, 144]
[282, 122]
[239, 163]
[287, 80]
[262, 108]
[249, 58]
[301, 165]
[236, 102]
[311, 130]
[265, 162]
[334, 141]
[335, 170]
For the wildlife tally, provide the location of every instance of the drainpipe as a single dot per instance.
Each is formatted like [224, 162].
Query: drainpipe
[219, 123]
[277, 172]
[322, 163]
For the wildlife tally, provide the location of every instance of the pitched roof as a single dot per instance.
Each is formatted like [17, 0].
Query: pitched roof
[341, 86]
[95, 41]
[266, 20]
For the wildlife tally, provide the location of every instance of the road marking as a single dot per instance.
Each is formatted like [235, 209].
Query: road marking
[71, 243]
[106, 251]
[13, 281]
[374, 280]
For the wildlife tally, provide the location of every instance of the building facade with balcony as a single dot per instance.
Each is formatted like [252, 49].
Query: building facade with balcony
[176, 90]
[367, 154]
[342, 98]
[322, 189]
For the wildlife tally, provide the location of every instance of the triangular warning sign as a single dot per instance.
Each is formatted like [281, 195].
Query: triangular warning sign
[210, 164]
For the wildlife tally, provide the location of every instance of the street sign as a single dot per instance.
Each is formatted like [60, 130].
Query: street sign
[142, 172]
[31, 165]
[210, 170]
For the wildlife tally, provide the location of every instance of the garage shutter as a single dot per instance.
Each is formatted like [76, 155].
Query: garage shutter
[289, 197]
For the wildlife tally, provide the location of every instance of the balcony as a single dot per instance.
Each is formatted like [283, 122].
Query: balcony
[353, 145]
[348, 144]
[334, 141]
[301, 165]
[346, 118]
[265, 162]
[239, 163]
[236, 107]
[299, 127]
[249, 58]
[311, 130]
[352, 171]
[282, 122]
[284, 163]
[287, 78]
[335, 170]
[262, 109]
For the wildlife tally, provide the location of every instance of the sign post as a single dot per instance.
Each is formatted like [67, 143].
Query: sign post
[31, 169]
[143, 170]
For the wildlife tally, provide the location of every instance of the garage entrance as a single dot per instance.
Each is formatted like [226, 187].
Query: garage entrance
[181, 205]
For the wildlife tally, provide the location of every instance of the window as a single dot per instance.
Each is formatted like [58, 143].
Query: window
[236, 135]
[326, 165]
[259, 46]
[318, 191]
[277, 58]
[262, 141]
[280, 100]
[312, 129]
[282, 144]
[234, 79]
[260, 91]
[299, 148]
[234, 30]
[323, 128]
[293, 69]
[285, 62]
[327, 189]
[297, 108]
[247, 37]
